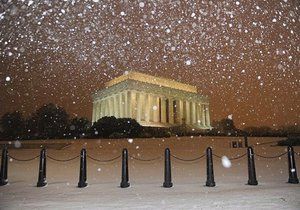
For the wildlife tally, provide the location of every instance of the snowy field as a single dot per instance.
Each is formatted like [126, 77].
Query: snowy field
[146, 178]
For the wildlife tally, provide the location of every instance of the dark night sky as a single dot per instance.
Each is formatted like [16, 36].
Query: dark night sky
[243, 54]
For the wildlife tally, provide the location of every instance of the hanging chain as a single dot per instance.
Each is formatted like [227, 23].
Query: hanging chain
[17, 159]
[63, 160]
[145, 160]
[188, 160]
[270, 157]
[103, 161]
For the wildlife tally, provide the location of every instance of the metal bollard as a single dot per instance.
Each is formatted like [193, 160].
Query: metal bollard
[42, 169]
[293, 179]
[168, 178]
[4, 164]
[251, 167]
[246, 140]
[125, 176]
[210, 181]
[82, 170]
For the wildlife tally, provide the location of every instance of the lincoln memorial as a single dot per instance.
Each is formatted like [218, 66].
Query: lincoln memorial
[152, 101]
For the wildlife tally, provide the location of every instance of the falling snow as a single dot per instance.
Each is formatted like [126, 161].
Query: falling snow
[226, 162]
[215, 45]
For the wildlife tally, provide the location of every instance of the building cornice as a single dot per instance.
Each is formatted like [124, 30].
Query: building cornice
[148, 88]
[162, 82]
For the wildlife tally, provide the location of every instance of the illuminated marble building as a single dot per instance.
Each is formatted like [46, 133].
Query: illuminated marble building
[152, 101]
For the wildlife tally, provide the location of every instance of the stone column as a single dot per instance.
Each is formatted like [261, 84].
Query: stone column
[155, 109]
[138, 106]
[187, 113]
[203, 115]
[171, 111]
[163, 112]
[98, 110]
[147, 108]
[102, 108]
[150, 98]
[106, 110]
[198, 114]
[193, 114]
[121, 105]
[207, 116]
[142, 106]
[126, 104]
[115, 102]
[176, 108]
[180, 111]
[110, 106]
[93, 114]
[133, 105]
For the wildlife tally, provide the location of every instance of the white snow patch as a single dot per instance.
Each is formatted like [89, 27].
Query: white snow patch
[141, 4]
[226, 162]
[17, 144]
[188, 62]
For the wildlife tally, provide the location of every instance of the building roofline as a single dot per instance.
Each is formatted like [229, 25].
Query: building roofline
[146, 78]
[147, 88]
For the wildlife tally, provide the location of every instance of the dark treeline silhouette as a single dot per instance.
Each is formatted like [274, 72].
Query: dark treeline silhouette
[52, 122]
[226, 127]
[48, 122]
[111, 127]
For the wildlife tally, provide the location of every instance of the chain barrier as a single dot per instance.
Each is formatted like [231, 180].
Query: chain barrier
[145, 160]
[60, 160]
[270, 157]
[217, 156]
[234, 158]
[188, 160]
[238, 157]
[30, 159]
[103, 161]
[152, 159]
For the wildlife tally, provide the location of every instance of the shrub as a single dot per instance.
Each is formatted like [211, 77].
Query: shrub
[107, 127]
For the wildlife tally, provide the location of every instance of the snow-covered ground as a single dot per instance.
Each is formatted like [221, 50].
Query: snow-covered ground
[146, 178]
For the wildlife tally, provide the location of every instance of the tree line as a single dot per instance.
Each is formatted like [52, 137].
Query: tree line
[53, 122]
[226, 127]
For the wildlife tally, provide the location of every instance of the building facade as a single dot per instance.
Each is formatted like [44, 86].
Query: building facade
[152, 101]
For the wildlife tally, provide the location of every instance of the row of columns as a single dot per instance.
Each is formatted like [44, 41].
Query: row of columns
[150, 108]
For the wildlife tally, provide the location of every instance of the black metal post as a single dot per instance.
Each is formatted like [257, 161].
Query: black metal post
[210, 181]
[246, 140]
[4, 164]
[82, 170]
[42, 169]
[251, 167]
[293, 179]
[125, 175]
[168, 178]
